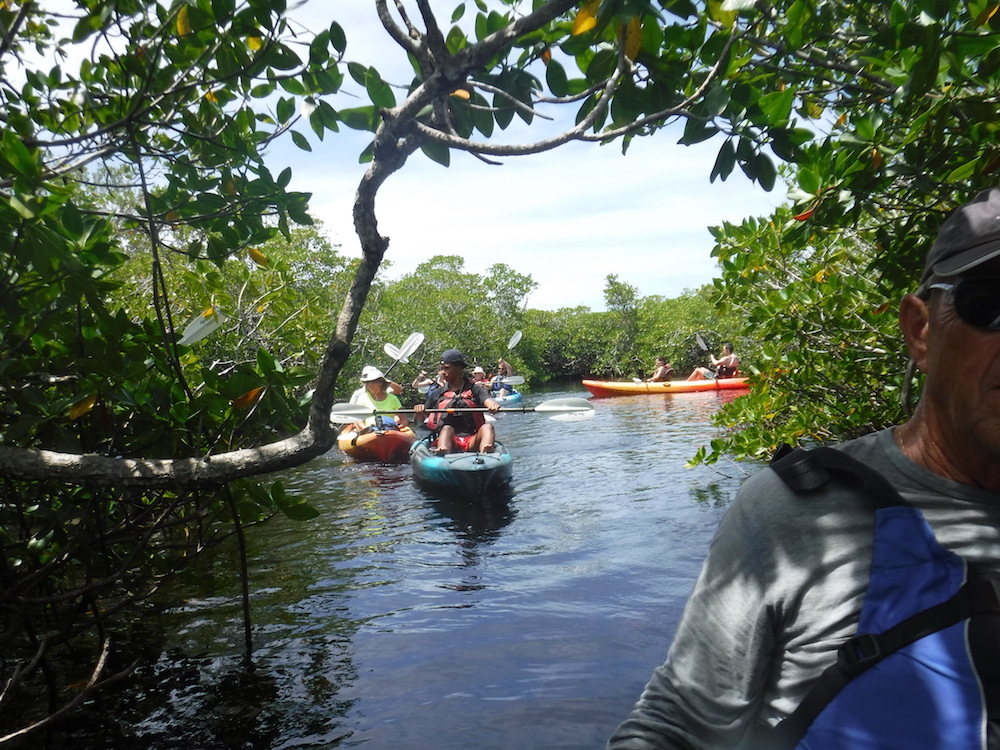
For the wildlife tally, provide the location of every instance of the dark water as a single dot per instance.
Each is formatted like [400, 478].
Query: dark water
[396, 620]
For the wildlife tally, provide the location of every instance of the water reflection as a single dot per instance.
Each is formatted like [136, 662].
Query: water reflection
[398, 619]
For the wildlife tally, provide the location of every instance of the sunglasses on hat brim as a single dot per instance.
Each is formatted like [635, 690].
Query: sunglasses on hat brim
[976, 300]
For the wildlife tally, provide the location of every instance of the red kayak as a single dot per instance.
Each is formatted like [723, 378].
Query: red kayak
[383, 446]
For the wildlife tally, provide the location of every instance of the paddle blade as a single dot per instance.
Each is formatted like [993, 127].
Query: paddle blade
[513, 340]
[701, 342]
[512, 380]
[565, 406]
[204, 325]
[346, 413]
[573, 416]
[411, 344]
[395, 353]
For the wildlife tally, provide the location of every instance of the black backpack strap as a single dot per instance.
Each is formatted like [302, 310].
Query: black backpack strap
[809, 470]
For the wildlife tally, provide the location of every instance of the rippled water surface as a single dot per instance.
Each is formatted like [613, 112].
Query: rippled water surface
[396, 620]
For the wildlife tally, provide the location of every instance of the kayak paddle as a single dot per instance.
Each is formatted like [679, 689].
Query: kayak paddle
[556, 408]
[409, 346]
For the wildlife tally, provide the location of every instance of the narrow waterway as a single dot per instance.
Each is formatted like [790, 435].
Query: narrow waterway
[396, 620]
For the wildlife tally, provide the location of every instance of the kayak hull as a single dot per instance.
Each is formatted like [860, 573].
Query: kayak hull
[612, 388]
[510, 398]
[382, 446]
[467, 475]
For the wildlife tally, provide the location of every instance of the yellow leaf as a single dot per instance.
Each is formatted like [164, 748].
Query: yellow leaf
[820, 276]
[461, 94]
[258, 257]
[633, 38]
[586, 18]
[842, 120]
[876, 158]
[183, 24]
[546, 55]
[255, 43]
[230, 188]
[82, 406]
[210, 95]
[248, 398]
[814, 109]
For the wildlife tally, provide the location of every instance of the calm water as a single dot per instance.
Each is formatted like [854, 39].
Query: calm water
[395, 620]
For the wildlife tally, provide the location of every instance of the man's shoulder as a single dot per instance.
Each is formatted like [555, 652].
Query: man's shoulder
[766, 488]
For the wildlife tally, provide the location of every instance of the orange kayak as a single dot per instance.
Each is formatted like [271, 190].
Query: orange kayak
[612, 388]
[384, 446]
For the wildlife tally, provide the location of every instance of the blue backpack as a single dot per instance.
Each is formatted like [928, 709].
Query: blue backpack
[923, 670]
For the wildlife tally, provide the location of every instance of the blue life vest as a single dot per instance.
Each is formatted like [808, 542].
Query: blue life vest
[909, 678]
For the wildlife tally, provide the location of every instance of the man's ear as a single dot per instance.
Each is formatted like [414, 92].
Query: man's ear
[914, 322]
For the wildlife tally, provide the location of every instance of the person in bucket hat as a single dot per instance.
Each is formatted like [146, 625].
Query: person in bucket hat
[381, 394]
[850, 598]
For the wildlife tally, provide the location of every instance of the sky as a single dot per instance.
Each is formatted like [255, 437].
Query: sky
[568, 218]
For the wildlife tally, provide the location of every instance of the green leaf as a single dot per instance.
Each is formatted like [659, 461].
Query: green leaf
[360, 118]
[555, 77]
[337, 37]
[436, 152]
[809, 181]
[724, 161]
[379, 91]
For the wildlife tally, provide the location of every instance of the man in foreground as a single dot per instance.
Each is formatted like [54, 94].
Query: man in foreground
[462, 430]
[817, 559]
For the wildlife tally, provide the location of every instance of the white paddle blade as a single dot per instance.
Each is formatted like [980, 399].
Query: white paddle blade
[513, 380]
[395, 353]
[573, 416]
[566, 406]
[204, 325]
[513, 340]
[411, 344]
[701, 341]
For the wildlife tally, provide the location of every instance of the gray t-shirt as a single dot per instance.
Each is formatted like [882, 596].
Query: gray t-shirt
[780, 591]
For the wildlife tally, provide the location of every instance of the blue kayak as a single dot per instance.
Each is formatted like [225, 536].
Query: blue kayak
[513, 397]
[470, 475]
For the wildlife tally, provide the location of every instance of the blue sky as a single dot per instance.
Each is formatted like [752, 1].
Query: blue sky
[567, 218]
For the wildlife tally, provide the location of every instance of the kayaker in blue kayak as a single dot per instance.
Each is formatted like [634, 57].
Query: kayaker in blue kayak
[504, 370]
[462, 430]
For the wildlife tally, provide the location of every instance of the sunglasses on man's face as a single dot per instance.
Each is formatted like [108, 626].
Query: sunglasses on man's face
[976, 300]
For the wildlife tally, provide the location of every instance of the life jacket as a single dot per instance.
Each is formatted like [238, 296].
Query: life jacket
[726, 372]
[465, 422]
[922, 670]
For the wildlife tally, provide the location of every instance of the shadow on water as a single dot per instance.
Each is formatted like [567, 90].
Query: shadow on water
[397, 619]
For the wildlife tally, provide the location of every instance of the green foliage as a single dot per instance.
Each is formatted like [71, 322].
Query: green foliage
[830, 359]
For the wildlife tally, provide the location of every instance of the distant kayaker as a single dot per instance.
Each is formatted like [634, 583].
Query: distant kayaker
[479, 375]
[662, 372]
[461, 430]
[726, 366]
[380, 394]
[504, 370]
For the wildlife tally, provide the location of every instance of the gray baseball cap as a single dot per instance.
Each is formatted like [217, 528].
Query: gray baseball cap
[969, 237]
